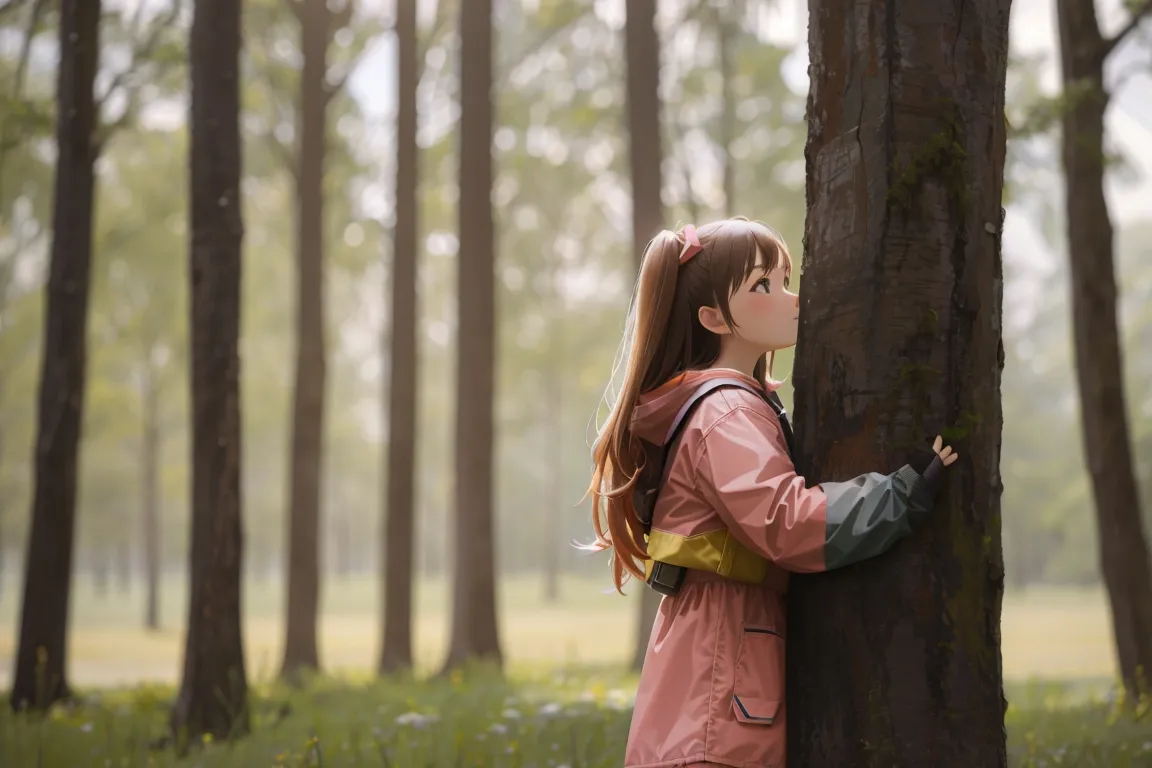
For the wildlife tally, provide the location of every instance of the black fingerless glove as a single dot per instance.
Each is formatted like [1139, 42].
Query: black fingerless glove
[928, 464]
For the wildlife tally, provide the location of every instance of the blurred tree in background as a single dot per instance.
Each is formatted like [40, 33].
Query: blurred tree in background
[41, 657]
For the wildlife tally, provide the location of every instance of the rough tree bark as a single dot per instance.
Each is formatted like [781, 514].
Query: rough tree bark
[303, 594]
[150, 447]
[213, 694]
[645, 153]
[41, 656]
[399, 544]
[896, 661]
[475, 632]
[1099, 357]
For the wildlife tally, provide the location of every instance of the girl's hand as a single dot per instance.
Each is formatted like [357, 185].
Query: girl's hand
[946, 455]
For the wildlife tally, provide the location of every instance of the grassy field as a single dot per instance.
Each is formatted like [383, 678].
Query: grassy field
[567, 702]
[1047, 634]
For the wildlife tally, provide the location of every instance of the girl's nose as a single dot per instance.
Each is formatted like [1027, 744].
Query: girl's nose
[797, 300]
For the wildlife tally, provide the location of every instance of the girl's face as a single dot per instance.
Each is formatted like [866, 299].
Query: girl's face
[764, 312]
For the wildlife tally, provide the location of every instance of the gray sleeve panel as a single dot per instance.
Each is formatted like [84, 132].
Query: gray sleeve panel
[870, 513]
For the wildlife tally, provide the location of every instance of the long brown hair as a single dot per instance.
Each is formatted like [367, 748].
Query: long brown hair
[668, 339]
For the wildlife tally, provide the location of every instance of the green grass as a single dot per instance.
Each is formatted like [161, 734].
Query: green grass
[571, 717]
[567, 703]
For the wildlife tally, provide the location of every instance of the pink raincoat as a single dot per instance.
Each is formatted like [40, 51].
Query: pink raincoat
[712, 686]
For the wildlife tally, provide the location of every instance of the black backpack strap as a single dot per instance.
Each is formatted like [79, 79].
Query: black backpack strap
[777, 406]
[646, 505]
[690, 404]
[664, 578]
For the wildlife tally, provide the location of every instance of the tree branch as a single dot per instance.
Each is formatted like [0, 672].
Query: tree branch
[10, 5]
[690, 201]
[333, 89]
[26, 44]
[1138, 14]
[139, 55]
[338, 21]
[297, 9]
[8, 143]
[439, 22]
[537, 45]
[284, 152]
[341, 18]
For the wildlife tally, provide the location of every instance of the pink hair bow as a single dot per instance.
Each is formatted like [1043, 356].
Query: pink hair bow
[691, 243]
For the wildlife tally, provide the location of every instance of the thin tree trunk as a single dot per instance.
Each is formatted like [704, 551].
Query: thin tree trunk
[475, 633]
[150, 447]
[213, 694]
[303, 593]
[896, 660]
[642, 54]
[41, 660]
[1099, 357]
[399, 546]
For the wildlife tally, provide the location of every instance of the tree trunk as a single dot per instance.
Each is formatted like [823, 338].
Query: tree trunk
[1099, 359]
[399, 543]
[896, 661]
[642, 54]
[150, 448]
[303, 593]
[41, 660]
[475, 632]
[213, 694]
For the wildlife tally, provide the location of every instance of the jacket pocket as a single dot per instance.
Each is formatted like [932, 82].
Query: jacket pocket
[759, 684]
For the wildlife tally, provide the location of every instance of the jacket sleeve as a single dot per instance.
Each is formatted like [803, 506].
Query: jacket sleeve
[746, 474]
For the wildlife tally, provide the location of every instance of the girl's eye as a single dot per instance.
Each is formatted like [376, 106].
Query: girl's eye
[787, 281]
[762, 286]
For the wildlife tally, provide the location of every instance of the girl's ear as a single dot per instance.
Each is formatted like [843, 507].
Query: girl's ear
[713, 320]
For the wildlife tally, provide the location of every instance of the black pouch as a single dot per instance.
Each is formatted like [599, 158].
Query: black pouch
[667, 578]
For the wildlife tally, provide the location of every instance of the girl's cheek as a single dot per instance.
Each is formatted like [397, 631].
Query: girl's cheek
[769, 305]
[761, 303]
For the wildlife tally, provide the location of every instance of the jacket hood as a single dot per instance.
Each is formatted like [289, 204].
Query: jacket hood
[657, 408]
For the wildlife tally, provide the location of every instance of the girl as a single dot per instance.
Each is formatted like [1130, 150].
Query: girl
[694, 480]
